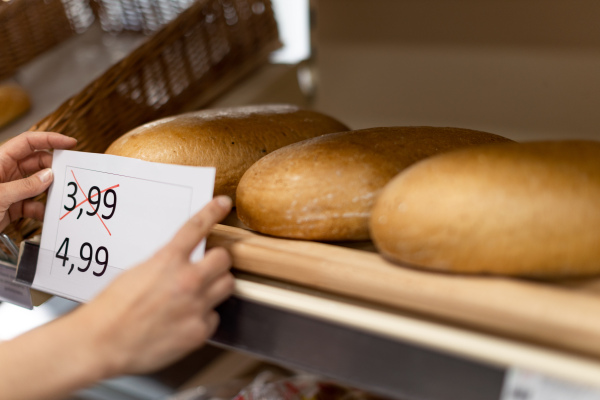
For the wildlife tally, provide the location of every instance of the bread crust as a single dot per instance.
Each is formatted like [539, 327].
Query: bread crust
[529, 209]
[230, 139]
[14, 102]
[323, 188]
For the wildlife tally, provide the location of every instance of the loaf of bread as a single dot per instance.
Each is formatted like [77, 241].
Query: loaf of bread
[323, 188]
[14, 102]
[230, 139]
[529, 209]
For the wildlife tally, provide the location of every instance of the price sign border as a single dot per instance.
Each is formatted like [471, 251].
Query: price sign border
[157, 173]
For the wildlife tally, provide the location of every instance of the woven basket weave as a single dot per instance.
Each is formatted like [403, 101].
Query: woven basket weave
[30, 27]
[137, 15]
[185, 65]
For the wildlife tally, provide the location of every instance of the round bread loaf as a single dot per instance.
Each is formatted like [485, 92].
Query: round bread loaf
[14, 102]
[323, 188]
[230, 139]
[529, 209]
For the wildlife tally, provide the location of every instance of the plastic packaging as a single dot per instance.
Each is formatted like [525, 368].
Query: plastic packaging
[268, 386]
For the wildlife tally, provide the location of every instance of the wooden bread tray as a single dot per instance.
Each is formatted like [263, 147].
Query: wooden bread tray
[561, 315]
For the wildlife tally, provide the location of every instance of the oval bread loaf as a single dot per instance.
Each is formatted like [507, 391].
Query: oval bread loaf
[530, 209]
[14, 102]
[323, 188]
[230, 139]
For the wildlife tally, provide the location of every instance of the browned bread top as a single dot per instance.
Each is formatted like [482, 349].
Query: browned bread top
[517, 208]
[323, 188]
[230, 139]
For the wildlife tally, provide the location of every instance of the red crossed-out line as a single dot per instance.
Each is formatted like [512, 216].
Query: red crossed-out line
[87, 200]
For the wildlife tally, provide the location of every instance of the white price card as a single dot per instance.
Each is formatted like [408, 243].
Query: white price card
[105, 214]
[520, 384]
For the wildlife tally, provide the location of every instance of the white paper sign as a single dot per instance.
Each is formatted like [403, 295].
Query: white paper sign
[106, 213]
[520, 384]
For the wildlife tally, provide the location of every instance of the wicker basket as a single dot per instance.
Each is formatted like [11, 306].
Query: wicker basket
[182, 67]
[188, 63]
[137, 15]
[30, 27]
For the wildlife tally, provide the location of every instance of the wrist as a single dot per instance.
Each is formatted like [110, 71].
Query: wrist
[92, 350]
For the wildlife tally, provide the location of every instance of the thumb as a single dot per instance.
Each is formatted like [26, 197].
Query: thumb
[26, 188]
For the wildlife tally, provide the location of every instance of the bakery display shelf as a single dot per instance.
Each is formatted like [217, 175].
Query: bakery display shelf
[349, 315]
[384, 351]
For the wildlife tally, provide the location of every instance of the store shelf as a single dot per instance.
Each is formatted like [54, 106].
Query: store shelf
[384, 351]
[556, 314]
[348, 314]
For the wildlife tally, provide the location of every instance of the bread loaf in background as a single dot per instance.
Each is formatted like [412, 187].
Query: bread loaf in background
[14, 102]
[529, 209]
[230, 139]
[323, 188]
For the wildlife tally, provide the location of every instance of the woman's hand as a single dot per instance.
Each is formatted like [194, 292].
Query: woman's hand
[162, 309]
[25, 172]
[148, 317]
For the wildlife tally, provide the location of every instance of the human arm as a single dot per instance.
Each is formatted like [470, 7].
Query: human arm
[150, 316]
